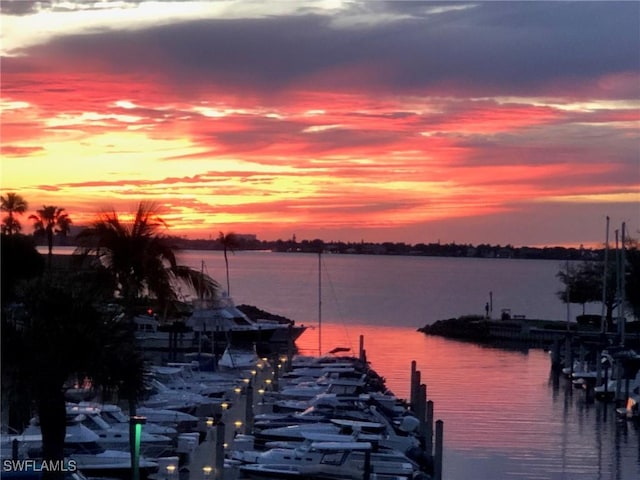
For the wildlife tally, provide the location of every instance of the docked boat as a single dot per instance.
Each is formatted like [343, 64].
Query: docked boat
[117, 419]
[152, 445]
[217, 320]
[330, 460]
[235, 358]
[83, 447]
[163, 397]
[226, 323]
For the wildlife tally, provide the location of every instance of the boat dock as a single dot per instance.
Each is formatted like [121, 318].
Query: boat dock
[231, 442]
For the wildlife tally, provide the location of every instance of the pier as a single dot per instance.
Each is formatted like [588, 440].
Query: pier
[231, 435]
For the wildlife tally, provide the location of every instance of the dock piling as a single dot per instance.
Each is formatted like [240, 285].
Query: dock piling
[219, 450]
[437, 465]
[412, 386]
[428, 437]
[248, 411]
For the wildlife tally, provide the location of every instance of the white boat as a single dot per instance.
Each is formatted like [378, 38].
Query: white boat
[182, 377]
[328, 460]
[117, 419]
[185, 401]
[379, 430]
[238, 359]
[151, 445]
[338, 384]
[163, 416]
[221, 319]
[82, 446]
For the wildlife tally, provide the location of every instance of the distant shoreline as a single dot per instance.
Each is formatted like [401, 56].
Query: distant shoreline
[387, 248]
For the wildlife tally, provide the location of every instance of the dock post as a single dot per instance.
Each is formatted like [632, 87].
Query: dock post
[568, 355]
[366, 474]
[598, 369]
[289, 366]
[619, 373]
[415, 391]
[361, 351]
[412, 386]
[248, 411]
[421, 412]
[219, 451]
[437, 464]
[555, 354]
[428, 437]
[276, 374]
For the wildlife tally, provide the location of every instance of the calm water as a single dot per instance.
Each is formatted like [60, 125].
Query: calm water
[504, 416]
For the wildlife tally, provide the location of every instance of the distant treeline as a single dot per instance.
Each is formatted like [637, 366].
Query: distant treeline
[250, 242]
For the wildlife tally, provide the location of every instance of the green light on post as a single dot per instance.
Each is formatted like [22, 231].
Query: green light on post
[135, 424]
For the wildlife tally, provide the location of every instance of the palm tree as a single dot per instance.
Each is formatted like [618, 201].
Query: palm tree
[64, 337]
[49, 220]
[140, 259]
[229, 242]
[12, 204]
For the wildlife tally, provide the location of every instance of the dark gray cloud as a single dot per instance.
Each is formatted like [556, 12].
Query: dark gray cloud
[492, 48]
[21, 7]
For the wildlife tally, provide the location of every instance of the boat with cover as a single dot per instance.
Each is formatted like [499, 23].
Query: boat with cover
[117, 419]
[83, 447]
[116, 438]
[330, 460]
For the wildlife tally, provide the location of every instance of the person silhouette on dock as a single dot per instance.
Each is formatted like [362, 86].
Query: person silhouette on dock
[486, 310]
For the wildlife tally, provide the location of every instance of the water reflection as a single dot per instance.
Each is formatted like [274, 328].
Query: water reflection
[506, 417]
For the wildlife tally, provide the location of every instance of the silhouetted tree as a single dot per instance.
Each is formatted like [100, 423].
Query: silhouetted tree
[13, 204]
[63, 336]
[20, 261]
[229, 242]
[49, 220]
[140, 259]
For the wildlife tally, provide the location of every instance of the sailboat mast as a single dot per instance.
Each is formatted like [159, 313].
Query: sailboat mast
[320, 303]
[603, 320]
[623, 268]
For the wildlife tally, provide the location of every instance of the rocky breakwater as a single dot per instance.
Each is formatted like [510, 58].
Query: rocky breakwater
[521, 331]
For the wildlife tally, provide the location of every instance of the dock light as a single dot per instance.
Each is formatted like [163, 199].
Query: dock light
[135, 434]
[279, 365]
[268, 381]
[237, 390]
[206, 470]
[210, 422]
[225, 445]
[246, 380]
[171, 469]
[224, 405]
[283, 359]
[254, 372]
[261, 391]
[260, 365]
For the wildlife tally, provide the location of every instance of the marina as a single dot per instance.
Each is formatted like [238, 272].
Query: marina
[389, 439]
[505, 414]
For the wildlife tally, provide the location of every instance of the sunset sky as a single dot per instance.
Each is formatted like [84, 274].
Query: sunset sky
[468, 122]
